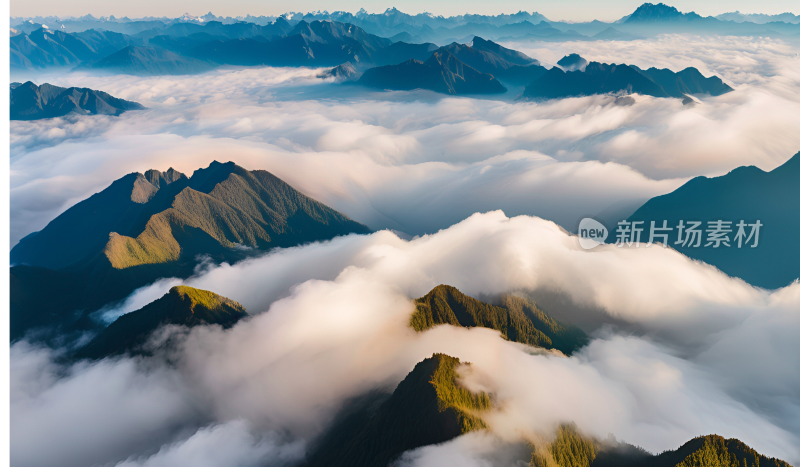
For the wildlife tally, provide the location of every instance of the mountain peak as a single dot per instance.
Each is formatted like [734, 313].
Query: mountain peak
[659, 12]
[157, 178]
[204, 180]
[573, 62]
[203, 305]
[428, 407]
[517, 319]
[182, 305]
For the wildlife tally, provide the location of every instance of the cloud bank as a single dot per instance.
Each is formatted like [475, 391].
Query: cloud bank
[321, 335]
[691, 351]
[418, 162]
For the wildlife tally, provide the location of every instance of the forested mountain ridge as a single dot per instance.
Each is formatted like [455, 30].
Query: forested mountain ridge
[152, 225]
[182, 305]
[516, 318]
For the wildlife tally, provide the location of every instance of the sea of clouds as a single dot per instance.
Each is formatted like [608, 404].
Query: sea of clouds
[417, 162]
[704, 353]
[691, 351]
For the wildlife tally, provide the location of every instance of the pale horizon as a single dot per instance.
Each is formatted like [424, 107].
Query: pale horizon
[571, 10]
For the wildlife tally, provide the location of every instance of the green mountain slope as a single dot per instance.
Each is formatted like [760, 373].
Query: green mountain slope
[572, 449]
[152, 225]
[517, 319]
[569, 449]
[82, 230]
[427, 407]
[182, 305]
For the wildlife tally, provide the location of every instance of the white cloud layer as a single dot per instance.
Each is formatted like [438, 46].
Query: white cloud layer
[418, 162]
[336, 324]
[693, 351]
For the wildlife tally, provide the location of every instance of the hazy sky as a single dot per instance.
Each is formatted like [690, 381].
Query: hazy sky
[577, 10]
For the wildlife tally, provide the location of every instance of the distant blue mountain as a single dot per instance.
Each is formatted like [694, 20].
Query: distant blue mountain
[660, 12]
[745, 194]
[572, 62]
[601, 78]
[32, 102]
[442, 72]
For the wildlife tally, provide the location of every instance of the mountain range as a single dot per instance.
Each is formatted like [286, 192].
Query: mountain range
[647, 20]
[473, 66]
[600, 78]
[32, 102]
[480, 67]
[152, 225]
[746, 194]
[425, 27]
[572, 449]
[442, 72]
[330, 39]
[139, 60]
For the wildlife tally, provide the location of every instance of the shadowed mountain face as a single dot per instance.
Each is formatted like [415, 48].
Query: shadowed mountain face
[32, 102]
[401, 51]
[504, 64]
[344, 72]
[43, 48]
[442, 72]
[105, 43]
[686, 81]
[601, 78]
[745, 194]
[455, 68]
[319, 43]
[146, 226]
[517, 319]
[428, 407]
[150, 61]
[182, 305]
[510, 56]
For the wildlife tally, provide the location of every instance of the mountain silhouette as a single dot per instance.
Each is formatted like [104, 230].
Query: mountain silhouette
[319, 43]
[504, 64]
[601, 78]
[32, 102]
[660, 12]
[442, 72]
[137, 60]
[572, 62]
[745, 194]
